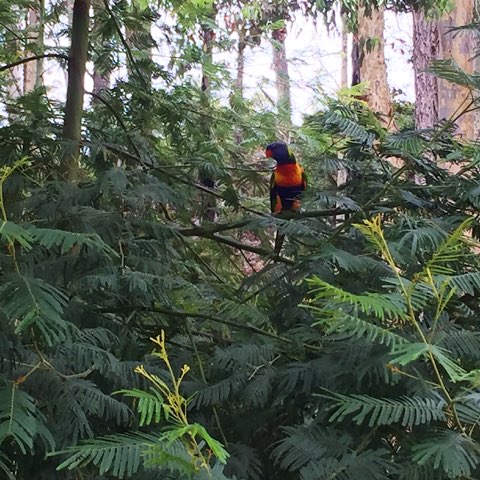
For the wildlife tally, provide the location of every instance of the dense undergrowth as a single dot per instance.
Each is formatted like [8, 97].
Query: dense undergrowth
[353, 355]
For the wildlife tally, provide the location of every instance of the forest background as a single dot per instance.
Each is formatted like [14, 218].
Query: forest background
[148, 330]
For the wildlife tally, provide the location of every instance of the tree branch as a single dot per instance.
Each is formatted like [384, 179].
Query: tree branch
[249, 248]
[205, 316]
[8, 66]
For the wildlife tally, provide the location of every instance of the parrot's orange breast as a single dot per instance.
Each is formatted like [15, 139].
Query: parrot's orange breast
[290, 175]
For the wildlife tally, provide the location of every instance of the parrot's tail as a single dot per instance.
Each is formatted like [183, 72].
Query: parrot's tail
[279, 239]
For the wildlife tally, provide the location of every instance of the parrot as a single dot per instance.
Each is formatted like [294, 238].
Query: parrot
[287, 184]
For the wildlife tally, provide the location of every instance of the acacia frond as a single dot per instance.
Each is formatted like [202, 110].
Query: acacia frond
[33, 303]
[66, 241]
[405, 411]
[21, 420]
[453, 452]
[449, 251]
[383, 306]
[149, 404]
[348, 326]
[12, 233]
[119, 454]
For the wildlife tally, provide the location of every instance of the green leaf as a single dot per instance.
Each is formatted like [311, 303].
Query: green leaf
[149, 404]
[405, 411]
[348, 326]
[454, 453]
[194, 430]
[21, 420]
[383, 306]
[120, 454]
[13, 233]
[407, 353]
[31, 302]
[66, 241]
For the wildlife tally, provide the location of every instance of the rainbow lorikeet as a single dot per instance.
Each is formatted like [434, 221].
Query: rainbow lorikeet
[287, 184]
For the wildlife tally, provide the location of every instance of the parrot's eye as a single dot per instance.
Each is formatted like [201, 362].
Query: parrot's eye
[268, 153]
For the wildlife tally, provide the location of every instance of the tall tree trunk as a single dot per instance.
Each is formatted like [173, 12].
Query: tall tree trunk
[356, 59]
[425, 50]
[101, 81]
[282, 81]
[101, 78]
[240, 62]
[476, 65]
[453, 99]
[75, 90]
[238, 93]
[344, 64]
[373, 68]
[32, 71]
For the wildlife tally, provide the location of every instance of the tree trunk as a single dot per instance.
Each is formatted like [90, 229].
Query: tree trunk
[238, 93]
[453, 99]
[356, 59]
[240, 62]
[344, 65]
[101, 79]
[32, 71]
[425, 50]
[373, 69]
[476, 66]
[75, 89]
[282, 81]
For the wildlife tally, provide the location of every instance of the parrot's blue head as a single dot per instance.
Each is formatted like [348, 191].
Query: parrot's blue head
[280, 152]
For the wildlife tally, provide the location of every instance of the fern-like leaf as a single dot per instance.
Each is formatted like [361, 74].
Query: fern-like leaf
[32, 302]
[5, 467]
[12, 233]
[66, 241]
[405, 411]
[148, 404]
[21, 420]
[347, 326]
[449, 251]
[120, 455]
[381, 305]
[454, 453]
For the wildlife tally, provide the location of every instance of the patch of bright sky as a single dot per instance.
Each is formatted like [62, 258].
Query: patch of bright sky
[314, 58]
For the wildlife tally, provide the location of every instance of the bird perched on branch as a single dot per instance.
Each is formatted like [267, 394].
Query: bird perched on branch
[287, 184]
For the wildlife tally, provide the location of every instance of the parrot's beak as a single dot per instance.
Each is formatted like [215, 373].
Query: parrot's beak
[268, 153]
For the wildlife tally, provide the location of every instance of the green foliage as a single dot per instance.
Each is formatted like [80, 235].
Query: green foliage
[21, 420]
[408, 412]
[352, 355]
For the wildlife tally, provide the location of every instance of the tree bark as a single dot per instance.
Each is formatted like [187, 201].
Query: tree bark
[240, 62]
[101, 79]
[344, 65]
[239, 79]
[75, 90]
[32, 71]
[460, 48]
[425, 50]
[282, 81]
[373, 69]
